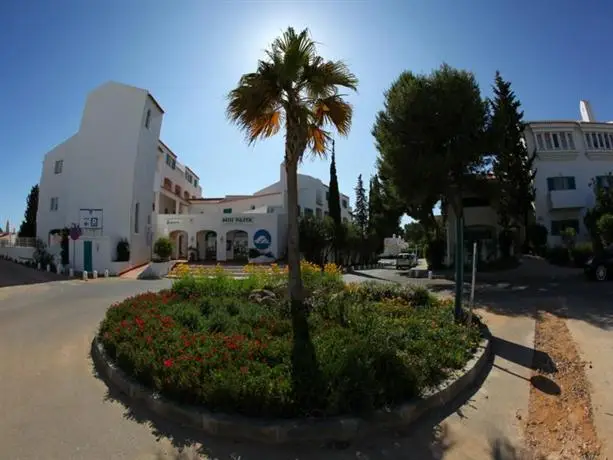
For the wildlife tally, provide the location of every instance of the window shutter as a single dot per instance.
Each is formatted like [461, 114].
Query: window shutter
[550, 183]
[571, 183]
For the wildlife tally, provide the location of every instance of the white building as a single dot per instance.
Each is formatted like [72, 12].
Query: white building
[569, 155]
[118, 181]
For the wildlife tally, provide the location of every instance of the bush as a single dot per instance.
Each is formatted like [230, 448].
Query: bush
[163, 248]
[558, 255]
[227, 343]
[537, 238]
[581, 253]
[123, 250]
[605, 228]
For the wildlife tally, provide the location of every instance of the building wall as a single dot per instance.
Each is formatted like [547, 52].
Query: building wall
[194, 225]
[582, 163]
[237, 206]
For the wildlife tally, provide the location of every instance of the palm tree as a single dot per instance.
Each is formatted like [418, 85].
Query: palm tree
[295, 87]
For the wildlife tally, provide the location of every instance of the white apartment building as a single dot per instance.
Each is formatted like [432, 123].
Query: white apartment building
[569, 156]
[117, 180]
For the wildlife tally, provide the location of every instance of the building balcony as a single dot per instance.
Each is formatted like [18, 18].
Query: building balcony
[565, 199]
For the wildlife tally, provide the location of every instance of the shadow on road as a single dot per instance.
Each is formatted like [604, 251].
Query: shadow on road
[14, 274]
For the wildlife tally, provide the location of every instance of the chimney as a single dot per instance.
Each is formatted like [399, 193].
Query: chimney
[587, 114]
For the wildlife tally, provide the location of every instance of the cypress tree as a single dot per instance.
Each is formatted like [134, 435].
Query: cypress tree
[28, 226]
[334, 198]
[513, 164]
[361, 208]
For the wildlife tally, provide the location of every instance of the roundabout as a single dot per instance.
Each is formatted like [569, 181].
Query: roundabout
[220, 362]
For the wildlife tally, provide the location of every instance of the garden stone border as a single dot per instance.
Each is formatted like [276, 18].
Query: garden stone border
[270, 431]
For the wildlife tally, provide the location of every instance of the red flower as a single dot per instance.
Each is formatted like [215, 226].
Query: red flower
[244, 369]
[168, 362]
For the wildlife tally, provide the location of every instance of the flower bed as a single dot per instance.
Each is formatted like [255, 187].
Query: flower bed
[226, 344]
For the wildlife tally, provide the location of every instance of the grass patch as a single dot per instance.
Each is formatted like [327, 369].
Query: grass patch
[227, 344]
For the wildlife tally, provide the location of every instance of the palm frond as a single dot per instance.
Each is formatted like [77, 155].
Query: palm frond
[318, 140]
[333, 110]
[322, 78]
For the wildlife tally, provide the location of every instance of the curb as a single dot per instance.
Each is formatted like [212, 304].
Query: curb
[271, 431]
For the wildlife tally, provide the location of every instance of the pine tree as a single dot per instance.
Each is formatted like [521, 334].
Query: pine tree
[361, 208]
[513, 165]
[334, 199]
[28, 226]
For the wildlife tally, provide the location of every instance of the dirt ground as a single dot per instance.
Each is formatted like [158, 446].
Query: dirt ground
[560, 419]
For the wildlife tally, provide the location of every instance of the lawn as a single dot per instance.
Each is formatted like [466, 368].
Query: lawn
[226, 344]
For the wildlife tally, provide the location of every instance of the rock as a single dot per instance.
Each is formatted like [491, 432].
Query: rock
[262, 296]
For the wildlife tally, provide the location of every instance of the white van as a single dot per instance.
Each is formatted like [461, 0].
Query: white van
[405, 260]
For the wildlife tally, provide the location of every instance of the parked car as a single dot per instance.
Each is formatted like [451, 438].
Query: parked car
[600, 267]
[405, 260]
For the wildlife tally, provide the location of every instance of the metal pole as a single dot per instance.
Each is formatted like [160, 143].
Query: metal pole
[472, 285]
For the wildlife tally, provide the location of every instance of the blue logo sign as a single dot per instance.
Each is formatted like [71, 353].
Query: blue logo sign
[262, 239]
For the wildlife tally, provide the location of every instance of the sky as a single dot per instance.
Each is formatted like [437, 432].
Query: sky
[189, 54]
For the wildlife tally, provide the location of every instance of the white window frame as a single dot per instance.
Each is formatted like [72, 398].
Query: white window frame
[58, 167]
[55, 203]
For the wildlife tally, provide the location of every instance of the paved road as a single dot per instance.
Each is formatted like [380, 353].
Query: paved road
[52, 406]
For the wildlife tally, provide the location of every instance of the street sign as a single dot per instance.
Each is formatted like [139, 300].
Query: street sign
[90, 218]
[75, 232]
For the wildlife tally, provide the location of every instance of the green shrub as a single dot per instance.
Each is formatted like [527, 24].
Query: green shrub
[605, 228]
[581, 253]
[163, 248]
[209, 341]
[558, 255]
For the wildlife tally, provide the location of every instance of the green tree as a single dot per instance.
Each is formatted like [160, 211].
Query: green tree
[28, 226]
[384, 212]
[295, 87]
[603, 194]
[361, 208]
[316, 237]
[513, 166]
[334, 206]
[431, 142]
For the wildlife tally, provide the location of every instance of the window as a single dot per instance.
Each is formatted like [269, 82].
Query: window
[136, 216]
[599, 141]
[189, 177]
[474, 201]
[327, 196]
[252, 206]
[558, 225]
[170, 161]
[318, 212]
[556, 143]
[148, 118]
[344, 204]
[561, 183]
[308, 212]
[326, 213]
[227, 211]
[55, 201]
[196, 183]
[539, 141]
[560, 140]
[58, 166]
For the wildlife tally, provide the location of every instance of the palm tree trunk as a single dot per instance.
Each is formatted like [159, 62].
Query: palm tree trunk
[293, 244]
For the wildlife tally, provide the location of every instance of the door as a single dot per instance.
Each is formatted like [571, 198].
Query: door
[87, 256]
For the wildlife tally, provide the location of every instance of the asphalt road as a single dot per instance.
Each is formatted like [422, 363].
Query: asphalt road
[53, 406]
